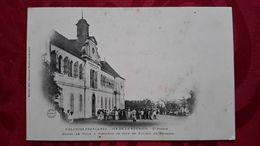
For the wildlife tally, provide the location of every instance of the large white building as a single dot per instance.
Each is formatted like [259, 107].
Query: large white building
[87, 83]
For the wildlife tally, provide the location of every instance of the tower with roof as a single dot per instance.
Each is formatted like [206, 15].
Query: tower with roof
[82, 29]
[88, 84]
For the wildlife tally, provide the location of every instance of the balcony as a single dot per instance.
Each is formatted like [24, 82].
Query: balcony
[61, 78]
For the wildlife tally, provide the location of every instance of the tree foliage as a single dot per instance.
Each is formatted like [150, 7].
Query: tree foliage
[139, 104]
[183, 106]
[50, 88]
[191, 102]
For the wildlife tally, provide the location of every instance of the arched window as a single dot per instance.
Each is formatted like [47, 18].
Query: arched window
[80, 71]
[53, 60]
[80, 103]
[70, 68]
[59, 63]
[76, 69]
[65, 65]
[71, 103]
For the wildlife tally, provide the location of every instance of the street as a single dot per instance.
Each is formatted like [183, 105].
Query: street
[163, 120]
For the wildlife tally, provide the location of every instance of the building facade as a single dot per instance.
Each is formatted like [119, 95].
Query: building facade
[88, 83]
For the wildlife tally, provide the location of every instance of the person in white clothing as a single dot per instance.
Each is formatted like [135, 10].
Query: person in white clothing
[116, 115]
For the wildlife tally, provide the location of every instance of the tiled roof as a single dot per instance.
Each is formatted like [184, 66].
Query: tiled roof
[108, 69]
[67, 45]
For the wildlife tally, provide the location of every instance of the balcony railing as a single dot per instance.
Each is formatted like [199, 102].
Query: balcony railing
[67, 79]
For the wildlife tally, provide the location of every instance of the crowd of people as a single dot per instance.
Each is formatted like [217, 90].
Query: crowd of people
[127, 114]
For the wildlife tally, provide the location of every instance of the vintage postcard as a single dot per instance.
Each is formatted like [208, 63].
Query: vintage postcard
[130, 74]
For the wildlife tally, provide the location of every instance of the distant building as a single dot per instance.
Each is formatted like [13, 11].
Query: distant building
[87, 83]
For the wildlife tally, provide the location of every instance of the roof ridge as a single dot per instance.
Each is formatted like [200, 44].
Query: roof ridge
[106, 67]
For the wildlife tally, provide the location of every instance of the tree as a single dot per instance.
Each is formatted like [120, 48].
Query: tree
[191, 102]
[139, 104]
[50, 88]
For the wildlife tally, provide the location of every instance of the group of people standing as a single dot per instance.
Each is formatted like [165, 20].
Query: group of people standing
[127, 114]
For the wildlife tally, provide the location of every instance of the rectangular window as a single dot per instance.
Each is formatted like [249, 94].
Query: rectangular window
[93, 78]
[95, 82]
[80, 103]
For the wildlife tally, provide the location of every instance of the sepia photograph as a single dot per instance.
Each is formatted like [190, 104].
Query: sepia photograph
[130, 74]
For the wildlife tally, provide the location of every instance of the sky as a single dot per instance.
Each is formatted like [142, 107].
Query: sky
[162, 53]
